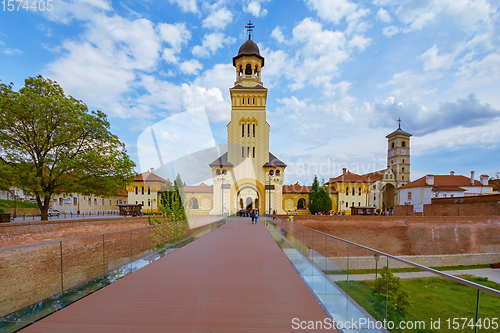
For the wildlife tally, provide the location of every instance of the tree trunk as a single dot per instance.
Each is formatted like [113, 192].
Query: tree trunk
[44, 207]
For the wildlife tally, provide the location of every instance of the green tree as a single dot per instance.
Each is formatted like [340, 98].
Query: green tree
[172, 202]
[52, 144]
[319, 199]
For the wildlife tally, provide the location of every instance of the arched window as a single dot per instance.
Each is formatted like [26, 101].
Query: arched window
[248, 69]
[102, 202]
[253, 101]
[352, 204]
[346, 205]
[193, 203]
[217, 172]
[403, 144]
[224, 171]
[136, 190]
[149, 190]
[347, 190]
[110, 202]
[359, 191]
[301, 204]
[242, 152]
[403, 169]
[248, 100]
[374, 197]
[149, 202]
[253, 154]
[257, 70]
[277, 172]
[243, 101]
[403, 160]
[142, 203]
[95, 201]
[142, 190]
[353, 191]
[271, 172]
[242, 130]
[254, 130]
[248, 133]
[393, 145]
[359, 204]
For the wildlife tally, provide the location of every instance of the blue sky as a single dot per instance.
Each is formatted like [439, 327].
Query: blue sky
[339, 72]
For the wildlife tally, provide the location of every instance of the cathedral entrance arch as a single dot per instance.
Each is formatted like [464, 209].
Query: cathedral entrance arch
[248, 197]
[389, 192]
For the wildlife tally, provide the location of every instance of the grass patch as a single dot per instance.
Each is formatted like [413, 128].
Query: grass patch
[19, 204]
[407, 269]
[436, 298]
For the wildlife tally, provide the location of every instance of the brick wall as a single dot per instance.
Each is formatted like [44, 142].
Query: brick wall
[452, 209]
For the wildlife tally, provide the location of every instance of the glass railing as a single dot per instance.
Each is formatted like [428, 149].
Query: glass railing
[39, 279]
[365, 290]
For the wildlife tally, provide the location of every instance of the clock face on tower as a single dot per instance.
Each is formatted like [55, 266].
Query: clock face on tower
[403, 151]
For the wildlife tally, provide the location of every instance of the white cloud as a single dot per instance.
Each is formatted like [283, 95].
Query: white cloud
[432, 60]
[191, 66]
[479, 73]
[383, 15]
[390, 31]
[218, 19]
[66, 11]
[211, 43]
[176, 34]
[413, 86]
[278, 35]
[255, 8]
[186, 5]
[336, 11]
[359, 42]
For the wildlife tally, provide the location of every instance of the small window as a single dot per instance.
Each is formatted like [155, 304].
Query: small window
[359, 204]
[347, 191]
[403, 178]
[352, 204]
[253, 152]
[374, 197]
[248, 100]
[359, 191]
[149, 202]
[403, 160]
[271, 172]
[149, 190]
[102, 202]
[61, 201]
[403, 169]
[136, 202]
[353, 192]
[254, 130]
[90, 202]
[393, 145]
[110, 202]
[242, 130]
[75, 201]
[142, 190]
[347, 205]
[243, 101]
[142, 203]
[248, 133]
[403, 144]
[95, 201]
[217, 172]
[374, 186]
[277, 172]
[224, 171]
[242, 152]
[248, 151]
[136, 190]
[253, 101]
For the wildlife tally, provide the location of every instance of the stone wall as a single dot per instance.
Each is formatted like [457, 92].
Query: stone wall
[409, 235]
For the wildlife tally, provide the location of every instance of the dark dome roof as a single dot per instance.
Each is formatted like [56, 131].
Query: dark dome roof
[248, 48]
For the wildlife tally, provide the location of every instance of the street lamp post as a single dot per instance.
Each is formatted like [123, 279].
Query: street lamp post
[269, 194]
[222, 191]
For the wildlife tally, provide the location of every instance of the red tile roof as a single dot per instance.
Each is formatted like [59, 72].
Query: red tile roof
[443, 180]
[375, 176]
[202, 188]
[149, 177]
[349, 177]
[441, 188]
[122, 193]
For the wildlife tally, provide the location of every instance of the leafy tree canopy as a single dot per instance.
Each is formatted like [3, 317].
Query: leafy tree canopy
[51, 144]
[319, 199]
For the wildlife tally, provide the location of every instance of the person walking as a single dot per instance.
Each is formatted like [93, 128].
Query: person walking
[256, 216]
[252, 216]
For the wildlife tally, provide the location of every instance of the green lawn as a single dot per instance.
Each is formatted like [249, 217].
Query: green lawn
[436, 298]
[19, 204]
[407, 269]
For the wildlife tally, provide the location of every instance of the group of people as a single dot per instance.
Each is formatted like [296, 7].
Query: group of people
[253, 213]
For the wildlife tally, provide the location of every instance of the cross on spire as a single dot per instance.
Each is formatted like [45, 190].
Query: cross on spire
[249, 28]
[400, 121]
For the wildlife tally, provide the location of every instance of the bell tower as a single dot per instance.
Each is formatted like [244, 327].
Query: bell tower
[398, 155]
[248, 131]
